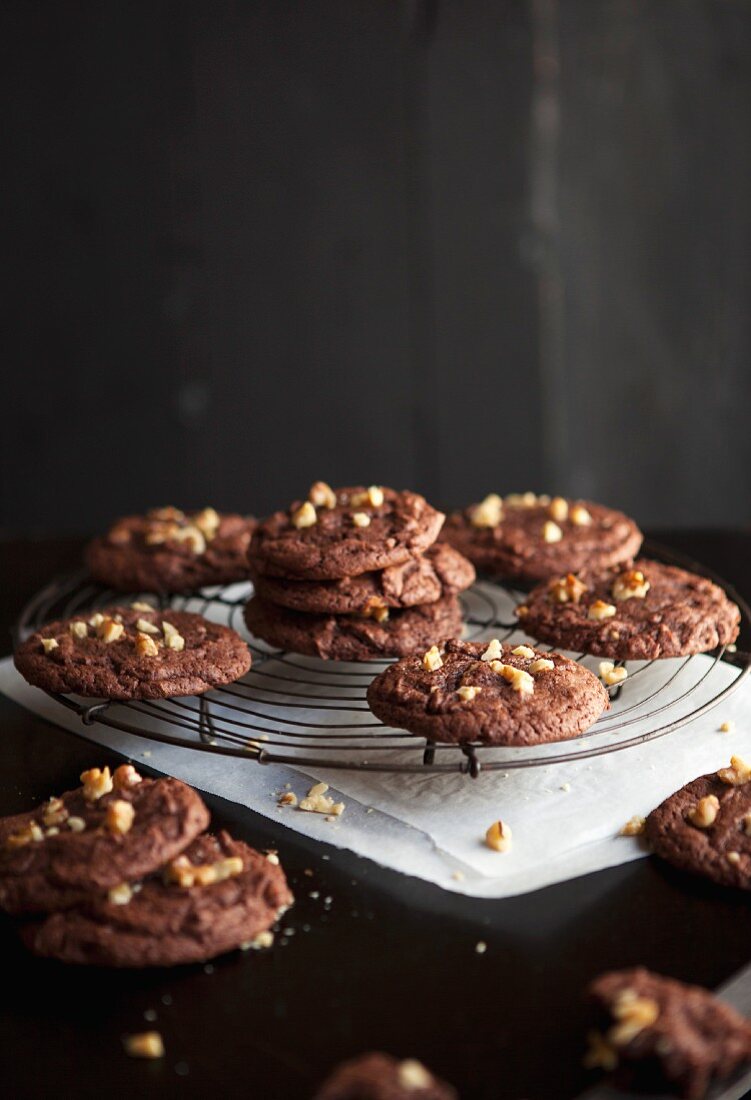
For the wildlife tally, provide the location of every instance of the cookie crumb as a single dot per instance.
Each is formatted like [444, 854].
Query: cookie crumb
[458, 876]
[727, 727]
[146, 1044]
[634, 826]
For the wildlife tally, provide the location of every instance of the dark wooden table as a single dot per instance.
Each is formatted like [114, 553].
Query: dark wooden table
[390, 964]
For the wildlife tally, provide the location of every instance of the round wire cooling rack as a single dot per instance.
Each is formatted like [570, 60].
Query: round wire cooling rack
[304, 711]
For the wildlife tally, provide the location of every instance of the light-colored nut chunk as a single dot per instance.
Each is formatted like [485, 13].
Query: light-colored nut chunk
[494, 652]
[54, 812]
[146, 646]
[727, 727]
[551, 532]
[733, 857]
[375, 609]
[579, 516]
[304, 516]
[78, 629]
[522, 500]
[412, 1074]
[120, 895]
[318, 802]
[148, 1044]
[96, 619]
[167, 514]
[31, 833]
[705, 812]
[634, 826]
[568, 589]
[432, 660]
[125, 776]
[263, 939]
[48, 644]
[192, 536]
[120, 815]
[488, 513]
[372, 496]
[630, 585]
[109, 630]
[738, 774]
[611, 675]
[633, 1014]
[289, 798]
[520, 680]
[498, 836]
[76, 824]
[146, 627]
[207, 521]
[468, 692]
[139, 605]
[361, 519]
[542, 664]
[558, 509]
[600, 610]
[173, 639]
[96, 782]
[322, 495]
[523, 651]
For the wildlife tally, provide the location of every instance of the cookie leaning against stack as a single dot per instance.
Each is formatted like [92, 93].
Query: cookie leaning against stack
[120, 873]
[355, 574]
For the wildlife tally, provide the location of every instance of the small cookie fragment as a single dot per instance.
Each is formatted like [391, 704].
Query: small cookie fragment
[655, 1025]
[379, 1076]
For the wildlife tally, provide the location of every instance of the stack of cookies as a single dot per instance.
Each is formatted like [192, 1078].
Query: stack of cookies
[355, 574]
[120, 872]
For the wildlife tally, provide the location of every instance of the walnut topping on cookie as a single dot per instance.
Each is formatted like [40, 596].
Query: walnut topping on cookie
[413, 1074]
[551, 532]
[488, 513]
[611, 675]
[126, 776]
[109, 630]
[542, 664]
[31, 833]
[361, 519]
[558, 509]
[568, 589]
[173, 639]
[523, 651]
[494, 652]
[704, 813]
[468, 692]
[432, 660]
[737, 775]
[630, 585]
[78, 629]
[520, 680]
[600, 610]
[181, 872]
[120, 816]
[54, 813]
[633, 1014]
[322, 495]
[96, 783]
[146, 646]
[373, 496]
[304, 516]
[579, 516]
[48, 644]
[120, 895]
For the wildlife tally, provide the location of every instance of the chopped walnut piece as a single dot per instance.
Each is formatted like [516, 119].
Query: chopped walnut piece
[54, 812]
[633, 1014]
[412, 1074]
[146, 627]
[432, 660]
[207, 521]
[78, 629]
[523, 651]
[522, 500]
[630, 585]
[48, 644]
[289, 798]
[30, 833]
[146, 646]
[727, 727]
[611, 675]
[96, 619]
[494, 651]
[600, 610]
[96, 782]
[733, 857]
[374, 609]
[634, 826]
[304, 516]
[522, 610]
[579, 516]
[467, 692]
[120, 815]
[558, 509]
[109, 630]
[76, 824]
[182, 872]
[166, 515]
[192, 536]
[498, 836]
[139, 605]
[263, 939]
[148, 1044]
[361, 519]
[322, 495]
[159, 532]
[542, 664]
[738, 774]
[120, 895]
[600, 1054]
[705, 812]
[520, 680]
[272, 857]
[173, 639]
[318, 802]
[568, 589]
[488, 513]
[126, 776]
[372, 496]
[551, 532]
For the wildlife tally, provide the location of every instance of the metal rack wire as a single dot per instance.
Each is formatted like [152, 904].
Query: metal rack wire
[300, 710]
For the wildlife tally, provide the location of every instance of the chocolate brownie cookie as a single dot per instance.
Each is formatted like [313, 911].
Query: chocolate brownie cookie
[218, 895]
[381, 1077]
[659, 1032]
[133, 653]
[171, 551]
[113, 829]
[527, 538]
[343, 533]
[705, 827]
[643, 611]
[490, 693]
[424, 578]
[354, 637]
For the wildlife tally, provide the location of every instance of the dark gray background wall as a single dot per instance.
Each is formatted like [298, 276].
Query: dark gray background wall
[456, 246]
